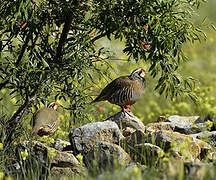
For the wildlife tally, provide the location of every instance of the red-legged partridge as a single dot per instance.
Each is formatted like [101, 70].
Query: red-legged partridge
[125, 90]
[46, 120]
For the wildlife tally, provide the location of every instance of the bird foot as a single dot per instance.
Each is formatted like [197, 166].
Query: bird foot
[127, 112]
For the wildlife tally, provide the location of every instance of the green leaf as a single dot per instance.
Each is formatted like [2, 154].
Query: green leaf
[45, 63]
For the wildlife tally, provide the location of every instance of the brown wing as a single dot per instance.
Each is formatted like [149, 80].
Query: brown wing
[117, 91]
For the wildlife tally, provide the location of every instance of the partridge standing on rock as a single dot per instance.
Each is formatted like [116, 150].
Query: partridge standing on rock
[125, 90]
[46, 120]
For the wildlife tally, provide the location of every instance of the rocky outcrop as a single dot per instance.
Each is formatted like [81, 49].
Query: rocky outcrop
[164, 135]
[122, 140]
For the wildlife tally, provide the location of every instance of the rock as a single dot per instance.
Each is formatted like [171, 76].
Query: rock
[151, 127]
[84, 137]
[188, 147]
[146, 153]
[197, 170]
[63, 173]
[128, 131]
[182, 120]
[105, 155]
[47, 155]
[150, 146]
[138, 137]
[180, 145]
[125, 120]
[186, 124]
[140, 151]
[61, 145]
[64, 159]
[209, 136]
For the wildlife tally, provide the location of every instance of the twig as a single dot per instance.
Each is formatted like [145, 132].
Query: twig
[23, 49]
[98, 37]
[3, 84]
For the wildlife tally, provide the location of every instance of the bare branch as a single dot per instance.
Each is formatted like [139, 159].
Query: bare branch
[63, 37]
[3, 84]
[23, 49]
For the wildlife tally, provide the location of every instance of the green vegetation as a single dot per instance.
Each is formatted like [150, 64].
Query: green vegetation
[69, 50]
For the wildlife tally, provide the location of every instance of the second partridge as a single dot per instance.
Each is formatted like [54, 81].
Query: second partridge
[46, 120]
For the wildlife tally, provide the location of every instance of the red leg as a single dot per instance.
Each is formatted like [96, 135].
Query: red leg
[126, 109]
[128, 106]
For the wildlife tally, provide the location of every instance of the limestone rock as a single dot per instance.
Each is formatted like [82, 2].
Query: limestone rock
[184, 146]
[48, 157]
[65, 159]
[64, 173]
[181, 120]
[151, 127]
[58, 159]
[58, 172]
[186, 124]
[84, 137]
[209, 136]
[105, 155]
[138, 137]
[192, 170]
[128, 131]
[125, 120]
[139, 149]
[188, 147]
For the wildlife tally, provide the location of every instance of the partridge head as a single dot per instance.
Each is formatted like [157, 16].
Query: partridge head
[46, 120]
[125, 90]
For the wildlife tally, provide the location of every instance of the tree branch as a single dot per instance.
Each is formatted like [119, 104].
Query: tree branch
[3, 84]
[23, 49]
[63, 37]
[11, 124]
[98, 37]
